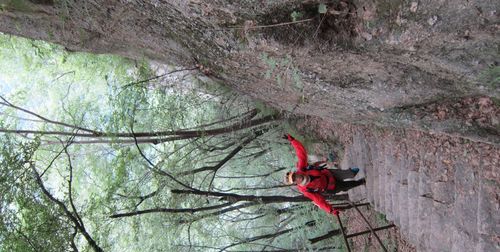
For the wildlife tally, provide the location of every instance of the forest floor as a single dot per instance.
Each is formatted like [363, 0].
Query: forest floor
[446, 152]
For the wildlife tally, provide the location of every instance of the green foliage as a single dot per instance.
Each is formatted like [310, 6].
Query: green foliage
[491, 77]
[107, 93]
[322, 9]
[296, 16]
[18, 5]
[28, 220]
[496, 101]
[283, 71]
[381, 219]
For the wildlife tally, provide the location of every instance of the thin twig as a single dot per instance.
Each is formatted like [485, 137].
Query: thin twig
[70, 189]
[71, 216]
[7, 103]
[154, 167]
[272, 25]
[68, 143]
[156, 77]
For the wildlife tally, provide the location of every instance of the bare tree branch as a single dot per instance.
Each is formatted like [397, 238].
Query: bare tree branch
[149, 137]
[70, 187]
[267, 236]
[72, 243]
[154, 167]
[170, 210]
[255, 176]
[68, 213]
[222, 211]
[7, 103]
[145, 197]
[247, 116]
[28, 240]
[157, 77]
[228, 157]
[65, 147]
[256, 134]
[253, 188]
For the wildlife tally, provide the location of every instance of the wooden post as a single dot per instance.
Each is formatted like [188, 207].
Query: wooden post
[343, 234]
[369, 231]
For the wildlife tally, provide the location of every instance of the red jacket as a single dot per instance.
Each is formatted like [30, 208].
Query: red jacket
[322, 179]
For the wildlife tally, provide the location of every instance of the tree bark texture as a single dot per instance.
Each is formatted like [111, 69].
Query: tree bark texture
[369, 62]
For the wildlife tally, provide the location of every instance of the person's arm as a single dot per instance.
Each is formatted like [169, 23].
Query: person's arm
[320, 201]
[300, 151]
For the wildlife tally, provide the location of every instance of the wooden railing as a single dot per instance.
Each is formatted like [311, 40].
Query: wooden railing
[349, 205]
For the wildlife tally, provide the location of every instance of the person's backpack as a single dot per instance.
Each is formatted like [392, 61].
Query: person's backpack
[315, 167]
[314, 190]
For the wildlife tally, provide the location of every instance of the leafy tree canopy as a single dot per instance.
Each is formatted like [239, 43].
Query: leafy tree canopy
[101, 152]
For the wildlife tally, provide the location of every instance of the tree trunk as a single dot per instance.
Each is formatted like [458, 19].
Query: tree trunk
[232, 197]
[169, 210]
[147, 137]
[333, 65]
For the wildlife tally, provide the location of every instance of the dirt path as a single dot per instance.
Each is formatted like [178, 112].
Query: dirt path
[442, 192]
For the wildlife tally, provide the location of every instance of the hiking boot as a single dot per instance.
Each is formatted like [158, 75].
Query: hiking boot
[355, 170]
[358, 172]
[363, 181]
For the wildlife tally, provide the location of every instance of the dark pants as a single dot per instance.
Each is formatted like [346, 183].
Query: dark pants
[340, 184]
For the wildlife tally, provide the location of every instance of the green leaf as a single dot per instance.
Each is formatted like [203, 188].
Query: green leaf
[322, 8]
[296, 15]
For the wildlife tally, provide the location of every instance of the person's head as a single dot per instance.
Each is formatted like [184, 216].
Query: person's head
[295, 178]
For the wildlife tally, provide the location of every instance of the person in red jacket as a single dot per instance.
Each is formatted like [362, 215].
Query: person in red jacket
[313, 180]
